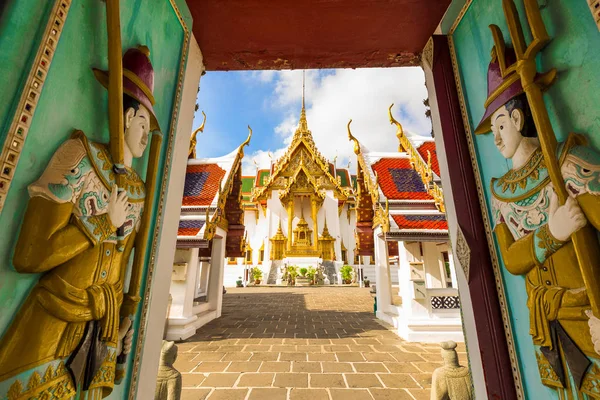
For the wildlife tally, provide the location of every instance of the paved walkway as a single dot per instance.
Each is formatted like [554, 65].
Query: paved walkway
[311, 343]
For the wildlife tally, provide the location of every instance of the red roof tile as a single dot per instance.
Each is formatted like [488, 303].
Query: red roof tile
[189, 227]
[201, 184]
[430, 146]
[399, 181]
[437, 222]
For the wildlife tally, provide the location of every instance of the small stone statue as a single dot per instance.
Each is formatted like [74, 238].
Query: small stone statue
[168, 380]
[452, 381]
[320, 277]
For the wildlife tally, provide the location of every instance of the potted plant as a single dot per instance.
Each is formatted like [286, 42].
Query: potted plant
[303, 271]
[310, 274]
[239, 282]
[346, 271]
[366, 282]
[257, 275]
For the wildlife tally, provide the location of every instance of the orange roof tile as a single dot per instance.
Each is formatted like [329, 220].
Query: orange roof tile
[202, 183]
[435, 165]
[399, 181]
[436, 222]
[189, 227]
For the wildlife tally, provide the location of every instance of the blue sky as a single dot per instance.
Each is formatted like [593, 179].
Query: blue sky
[270, 101]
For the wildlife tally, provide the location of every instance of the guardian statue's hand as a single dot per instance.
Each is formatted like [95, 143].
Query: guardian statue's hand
[594, 324]
[117, 207]
[566, 219]
[125, 336]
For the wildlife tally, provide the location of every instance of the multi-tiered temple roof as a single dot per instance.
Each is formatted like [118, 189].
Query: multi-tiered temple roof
[211, 199]
[399, 191]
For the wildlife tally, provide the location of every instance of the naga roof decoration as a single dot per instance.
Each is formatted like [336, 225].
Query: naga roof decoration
[315, 163]
[424, 169]
[193, 141]
[428, 153]
[370, 179]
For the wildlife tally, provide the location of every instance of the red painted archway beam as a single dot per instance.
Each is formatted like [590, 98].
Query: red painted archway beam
[291, 34]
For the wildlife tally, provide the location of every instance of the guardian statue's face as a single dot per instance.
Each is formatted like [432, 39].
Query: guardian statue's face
[137, 129]
[506, 127]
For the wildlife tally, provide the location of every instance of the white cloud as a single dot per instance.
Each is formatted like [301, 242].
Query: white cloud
[260, 159]
[362, 95]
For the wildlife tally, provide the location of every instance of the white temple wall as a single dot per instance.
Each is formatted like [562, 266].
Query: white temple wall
[347, 227]
[159, 292]
[275, 212]
[182, 290]
[258, 234]
[461, 280]
[432, 257]
[329, 209]
[347, 233]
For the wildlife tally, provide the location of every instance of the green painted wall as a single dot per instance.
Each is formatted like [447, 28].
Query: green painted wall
[18, 50]
[73, 99]
[572, 104]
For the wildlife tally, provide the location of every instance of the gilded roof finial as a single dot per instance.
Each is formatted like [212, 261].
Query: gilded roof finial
[193, 141]
[355, 140]
[246, 142]
[399, 130]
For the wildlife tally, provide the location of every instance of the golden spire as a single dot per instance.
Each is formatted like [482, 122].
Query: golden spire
[325, 229]
[303, 124]
[192, 150]
[303, 87]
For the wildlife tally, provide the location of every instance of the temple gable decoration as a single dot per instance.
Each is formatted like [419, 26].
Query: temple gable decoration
[302, 154]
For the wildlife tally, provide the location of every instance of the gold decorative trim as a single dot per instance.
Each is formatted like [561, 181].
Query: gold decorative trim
[55, 384]
[418, 164]
[427, 55]
[459, 17]
[382, 217]
[463, 252]
[160, 210]
[488, 231]
[21, 122]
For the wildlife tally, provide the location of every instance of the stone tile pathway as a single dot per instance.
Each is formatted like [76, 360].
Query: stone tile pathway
[312, 343]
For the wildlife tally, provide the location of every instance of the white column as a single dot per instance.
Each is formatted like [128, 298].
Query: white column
[452, 269]
[217, 266]
[183, 291]
[404, 280]
[382, 273]
[159, 292]
[468, 317]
